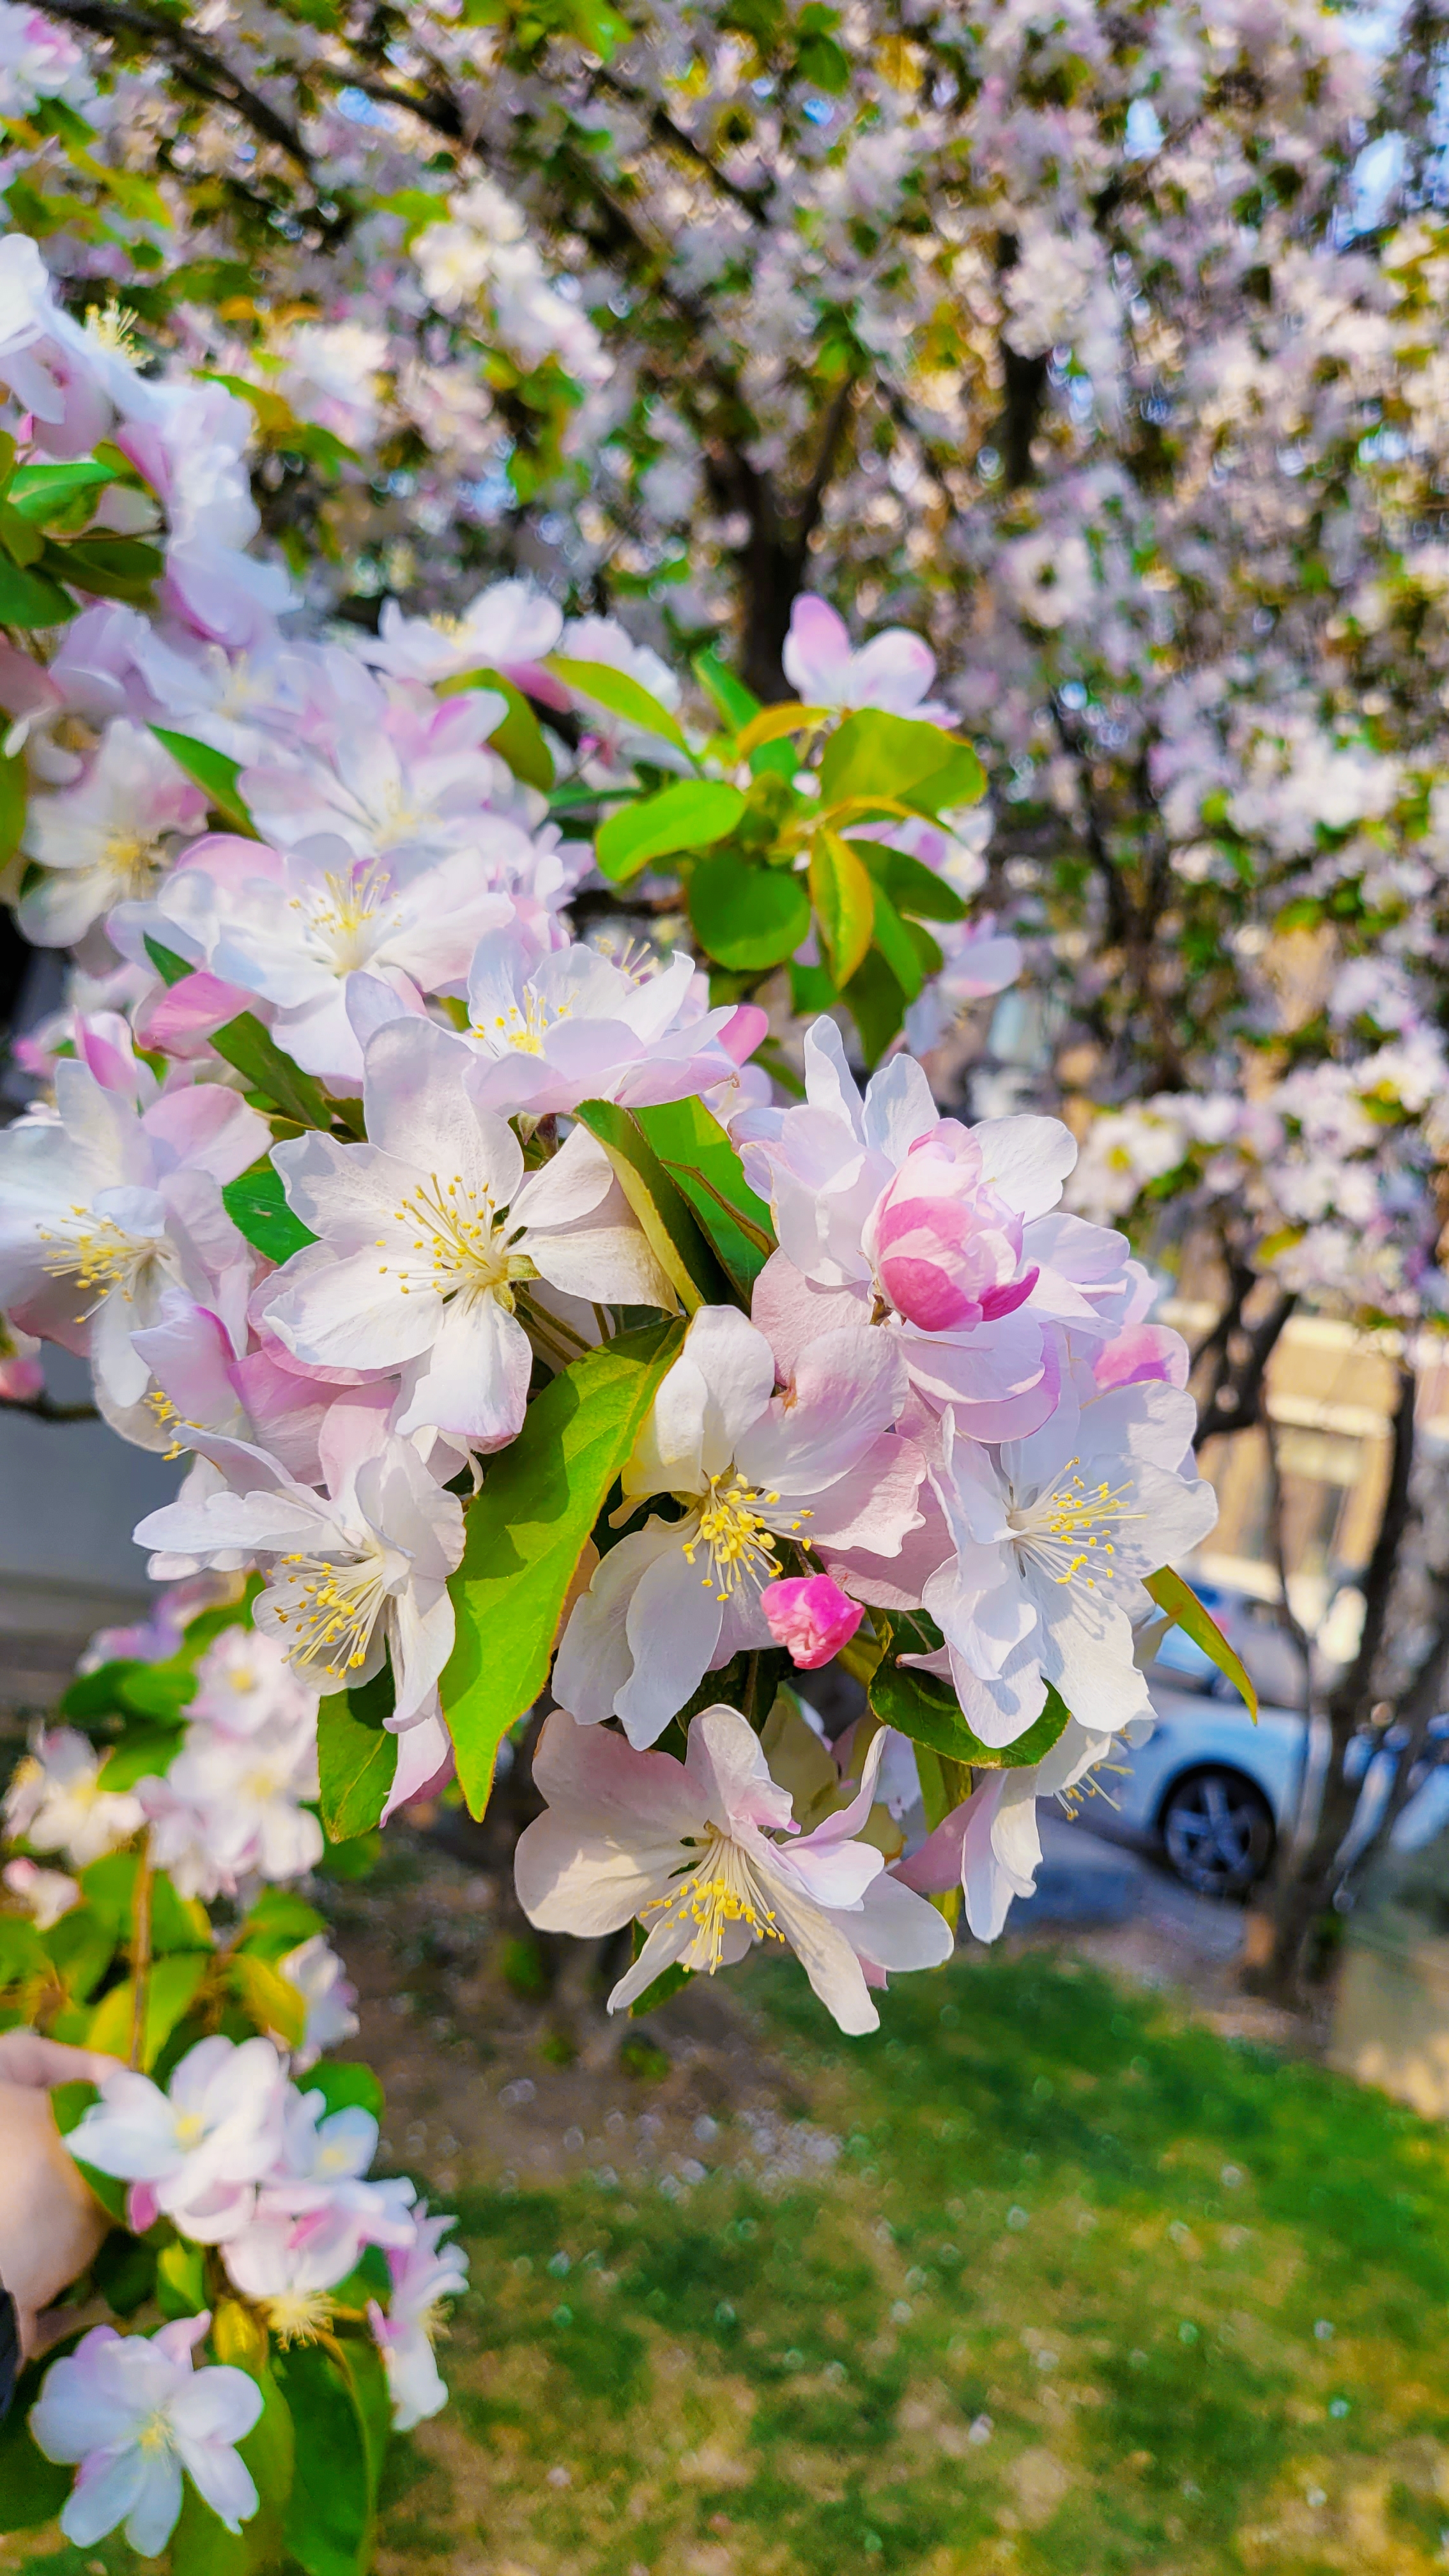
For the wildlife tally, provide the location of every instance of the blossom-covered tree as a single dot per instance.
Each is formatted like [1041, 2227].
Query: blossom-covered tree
[498, 1125]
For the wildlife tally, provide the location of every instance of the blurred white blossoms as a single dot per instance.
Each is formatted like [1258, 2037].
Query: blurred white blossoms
[57, 1800]
[424, 2274]
[196, 2152]
[232, 1805]
[322, 1982]
[46, 1894]
[135, 2412]
[238, 2157]
[107, 840]
[106, 1203]
[894, 670]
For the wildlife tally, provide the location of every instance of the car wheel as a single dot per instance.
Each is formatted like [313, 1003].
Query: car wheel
[1217, 1831]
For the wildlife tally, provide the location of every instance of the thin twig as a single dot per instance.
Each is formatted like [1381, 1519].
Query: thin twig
[140, 1952]
[1287, 1617]
[45, 1408]
[205, 73]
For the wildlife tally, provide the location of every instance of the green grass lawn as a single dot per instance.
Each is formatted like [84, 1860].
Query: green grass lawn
[1085, 2290]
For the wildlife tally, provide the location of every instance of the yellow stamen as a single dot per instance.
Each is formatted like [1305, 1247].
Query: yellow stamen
[721, 1891]
[733, 1529]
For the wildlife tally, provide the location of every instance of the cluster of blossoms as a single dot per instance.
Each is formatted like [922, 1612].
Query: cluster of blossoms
[1188, 581]
[239, 2159]
[945, 1398]
[1329, 1168]
[950, 1399]
[233, 1809]
[351, 1168]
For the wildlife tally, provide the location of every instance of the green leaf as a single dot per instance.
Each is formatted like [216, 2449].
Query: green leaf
[80, 1948]
[733, 702]
[345, 1863]
[278, 1922]
[519, 738]
[163, 1691]
[911, 886]
[93, 1695]
[14, 797]
[896, 946]
[171, 968]
[747, 917]
[181, 2280]
[926, 1708]
[366, 2374]
[214, 774]
[622, 696]
[691, 815]
[671, 1229]
[526, 1533]
[1181, 1603]
[177, 1922]
[31, 598]
[329, 2513]
[257, 1205]
[844, 900]
[356, 1757]
[960, 780]
[43, 490]
[32, 2488]
[124, 2272]
[344, 2088]
[171, 1986]
[877, 1005]
[146, 1752]
[269, 1998]
[701, 1161]
[878, 754]
[22, 1952]
[108, 567]
[255, 1053]
[21, 538]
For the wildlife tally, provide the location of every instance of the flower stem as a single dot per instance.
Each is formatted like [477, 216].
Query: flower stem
[140, 1952]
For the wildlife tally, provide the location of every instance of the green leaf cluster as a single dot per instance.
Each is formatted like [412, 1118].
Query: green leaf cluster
[783, 844]
[51, 558]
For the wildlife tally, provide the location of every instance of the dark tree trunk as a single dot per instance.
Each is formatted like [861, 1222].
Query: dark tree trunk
[1026, 384]
[769, 586]
[15, 956]
[1309, 1884]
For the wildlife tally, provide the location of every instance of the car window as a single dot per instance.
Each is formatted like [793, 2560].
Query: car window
[1183, 1664]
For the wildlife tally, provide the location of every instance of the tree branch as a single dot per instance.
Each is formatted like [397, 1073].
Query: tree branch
[205, 73]
[1353, 1688]
[812, 500]
[1237, 1405]
[45, 1409]
[675, 138]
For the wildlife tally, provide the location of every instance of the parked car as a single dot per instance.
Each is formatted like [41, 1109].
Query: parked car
[1209, 1788]
[1213, 1792]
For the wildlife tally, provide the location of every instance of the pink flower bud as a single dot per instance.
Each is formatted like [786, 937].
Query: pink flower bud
[810, 1616]
[20, 1379]
[946, 1249]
